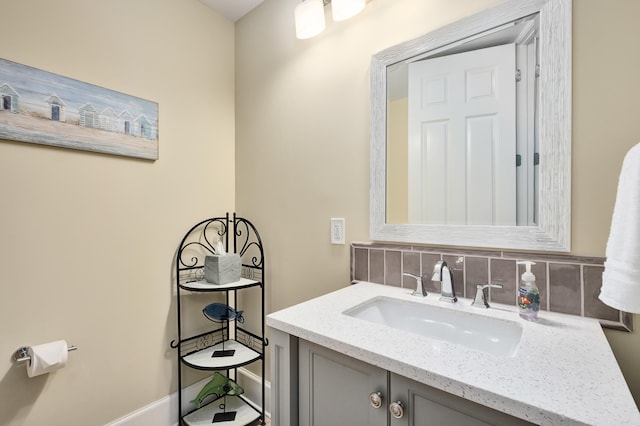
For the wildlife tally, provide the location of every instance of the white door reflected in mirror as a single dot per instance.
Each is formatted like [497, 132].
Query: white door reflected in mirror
[462, 138]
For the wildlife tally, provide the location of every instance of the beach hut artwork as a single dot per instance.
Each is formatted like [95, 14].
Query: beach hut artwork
[45, 108]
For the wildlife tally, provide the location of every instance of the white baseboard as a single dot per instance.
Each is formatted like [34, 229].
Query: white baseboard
[164, 412]
[252, 385]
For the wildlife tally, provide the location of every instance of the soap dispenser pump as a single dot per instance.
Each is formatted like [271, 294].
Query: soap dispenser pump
[528, 294]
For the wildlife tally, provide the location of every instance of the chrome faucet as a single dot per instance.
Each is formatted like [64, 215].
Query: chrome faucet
[482, 298]
[442, 273]
[420, 290]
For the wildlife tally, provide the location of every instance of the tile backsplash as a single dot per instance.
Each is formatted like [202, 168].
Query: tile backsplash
[568, 284]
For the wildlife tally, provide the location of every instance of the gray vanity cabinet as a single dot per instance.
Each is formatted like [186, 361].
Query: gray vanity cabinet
[335, 389]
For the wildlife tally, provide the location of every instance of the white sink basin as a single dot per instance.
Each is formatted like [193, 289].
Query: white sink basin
[495, 336]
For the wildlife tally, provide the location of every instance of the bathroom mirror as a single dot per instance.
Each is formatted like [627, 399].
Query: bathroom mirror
[489, 174]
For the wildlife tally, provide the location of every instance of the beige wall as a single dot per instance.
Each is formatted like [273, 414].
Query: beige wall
[87, 240]
[302, 141]
[605, 126]
[397, 161]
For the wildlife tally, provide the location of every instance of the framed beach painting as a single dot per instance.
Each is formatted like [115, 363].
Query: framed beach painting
[45, 108]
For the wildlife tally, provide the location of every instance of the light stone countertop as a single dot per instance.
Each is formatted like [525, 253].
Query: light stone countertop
[563, 372]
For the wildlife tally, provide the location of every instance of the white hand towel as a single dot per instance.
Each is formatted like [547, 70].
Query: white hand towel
[621, 277]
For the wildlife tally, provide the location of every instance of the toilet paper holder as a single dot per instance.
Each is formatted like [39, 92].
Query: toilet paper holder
[22, 354]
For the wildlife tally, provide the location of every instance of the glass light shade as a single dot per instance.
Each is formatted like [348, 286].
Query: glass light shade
[345, 9]
[309, 17]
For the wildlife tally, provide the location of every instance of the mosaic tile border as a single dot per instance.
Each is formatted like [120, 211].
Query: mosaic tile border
[568, 284]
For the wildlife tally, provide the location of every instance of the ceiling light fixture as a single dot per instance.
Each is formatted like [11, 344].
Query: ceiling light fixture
[345, 9]
[309, 15]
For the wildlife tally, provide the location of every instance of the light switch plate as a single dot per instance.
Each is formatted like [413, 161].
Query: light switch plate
[337, 230]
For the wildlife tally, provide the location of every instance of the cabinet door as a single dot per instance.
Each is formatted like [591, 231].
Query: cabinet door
[427, 406]
[335, 389]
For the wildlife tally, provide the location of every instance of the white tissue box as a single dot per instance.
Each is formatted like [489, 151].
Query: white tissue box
[222, 268]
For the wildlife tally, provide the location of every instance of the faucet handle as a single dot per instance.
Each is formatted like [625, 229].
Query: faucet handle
[481, 299]
[420, 290]
[409, 274]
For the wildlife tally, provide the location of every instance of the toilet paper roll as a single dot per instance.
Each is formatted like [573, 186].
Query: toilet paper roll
[47, 357]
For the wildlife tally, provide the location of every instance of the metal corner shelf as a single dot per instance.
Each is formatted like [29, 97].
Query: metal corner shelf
[244, 347]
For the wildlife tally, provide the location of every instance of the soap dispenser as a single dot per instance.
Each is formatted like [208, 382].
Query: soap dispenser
[528, 294]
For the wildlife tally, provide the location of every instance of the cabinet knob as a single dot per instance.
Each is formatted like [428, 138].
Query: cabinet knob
[376, 399]
[397, 409]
